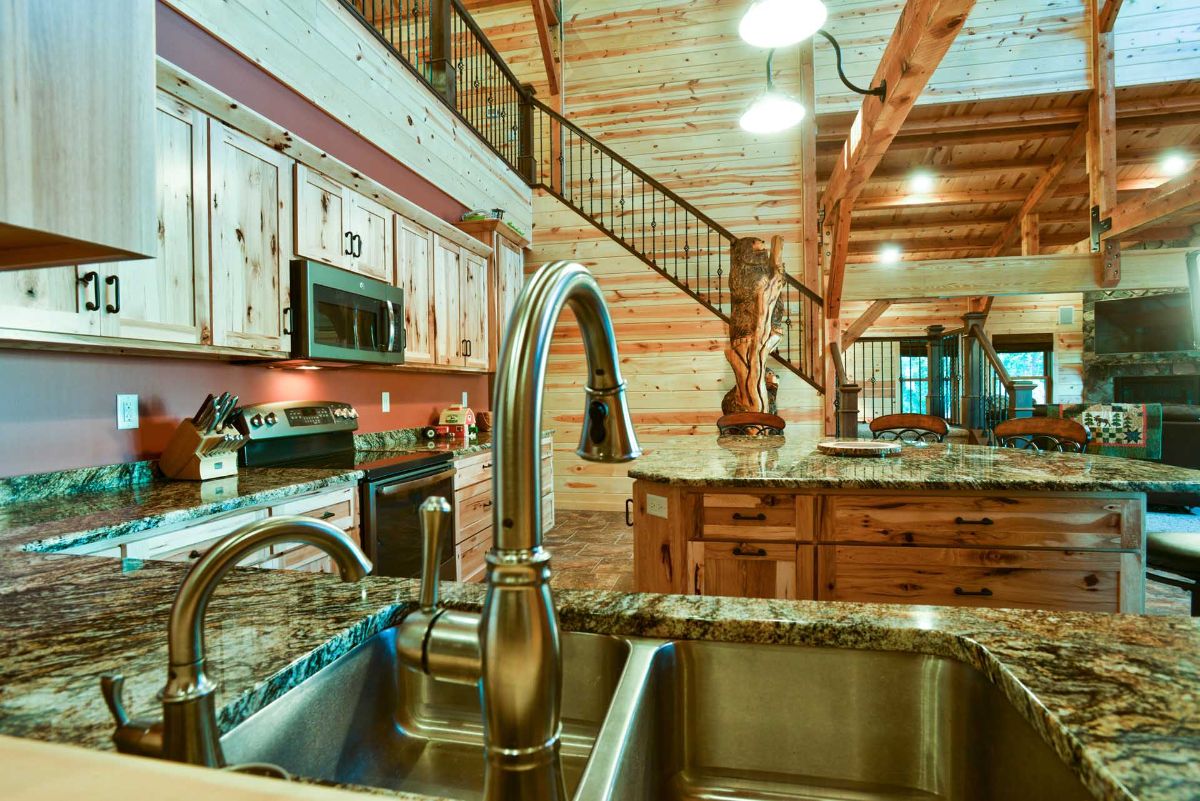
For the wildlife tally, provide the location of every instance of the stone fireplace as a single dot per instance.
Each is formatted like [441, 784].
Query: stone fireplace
[1172, 377]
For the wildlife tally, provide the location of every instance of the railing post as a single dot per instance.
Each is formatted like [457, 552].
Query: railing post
[935, 401]
[972, 409]
[441, 50]
[526, 163]
[847, 414]
[1020, 404]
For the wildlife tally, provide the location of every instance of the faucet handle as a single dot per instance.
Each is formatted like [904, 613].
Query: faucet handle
[141, 737]
[436, 518]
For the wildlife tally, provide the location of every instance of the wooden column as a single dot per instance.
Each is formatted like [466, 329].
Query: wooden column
[526, 163]
[1021, 402]
[441, 51]
[1102, 142]
[847, 416]
[756, 280]
[810, 224]
[972, 374]
[935, 402]
[1031, 243]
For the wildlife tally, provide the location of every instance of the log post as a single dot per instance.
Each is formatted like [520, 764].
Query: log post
[756, 279]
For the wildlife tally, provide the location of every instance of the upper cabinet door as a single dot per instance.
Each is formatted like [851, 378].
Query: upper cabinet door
[474, 310]
[61, 300]
[414, 274]
[251, 242]
[322, 219]
[447, 286]
[510, 279]
[165, 299]
[371, 237]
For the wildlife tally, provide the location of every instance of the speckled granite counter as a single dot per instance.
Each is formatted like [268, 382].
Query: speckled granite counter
[1117, 696]
[793, 462]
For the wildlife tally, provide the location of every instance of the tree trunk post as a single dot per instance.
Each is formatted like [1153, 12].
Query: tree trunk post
[756, 279]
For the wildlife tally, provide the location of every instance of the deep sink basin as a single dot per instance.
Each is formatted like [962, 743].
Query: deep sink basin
[366, 719]
[688, 720]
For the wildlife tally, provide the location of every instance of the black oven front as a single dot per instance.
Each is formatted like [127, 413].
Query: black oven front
[391, 520]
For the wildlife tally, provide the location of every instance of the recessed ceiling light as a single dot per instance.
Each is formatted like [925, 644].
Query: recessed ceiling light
[779, 23]
[889, 254]
[921, 182]
[1174, 164]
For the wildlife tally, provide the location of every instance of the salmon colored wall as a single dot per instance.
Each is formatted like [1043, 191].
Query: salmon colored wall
[58, 410]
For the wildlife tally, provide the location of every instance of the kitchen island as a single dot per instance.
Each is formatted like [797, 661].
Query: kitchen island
[961, 525]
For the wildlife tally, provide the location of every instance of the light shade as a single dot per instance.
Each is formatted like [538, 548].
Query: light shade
[771, 112]
[779, 23]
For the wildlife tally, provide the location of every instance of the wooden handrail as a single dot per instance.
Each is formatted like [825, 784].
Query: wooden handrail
[985, 345]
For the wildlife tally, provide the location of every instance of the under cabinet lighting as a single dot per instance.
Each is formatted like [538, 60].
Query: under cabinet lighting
[889, 254]
[921, 182]
[1173, 164]
[779, 23]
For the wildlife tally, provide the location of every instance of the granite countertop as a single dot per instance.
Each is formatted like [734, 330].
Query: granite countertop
[792, 461]
[1118, 696]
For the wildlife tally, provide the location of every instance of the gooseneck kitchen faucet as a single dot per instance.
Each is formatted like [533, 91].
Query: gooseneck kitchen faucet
[513, 648]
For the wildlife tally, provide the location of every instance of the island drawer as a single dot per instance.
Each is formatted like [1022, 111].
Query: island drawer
[1023, 579]
[731, 516]
[997, 521]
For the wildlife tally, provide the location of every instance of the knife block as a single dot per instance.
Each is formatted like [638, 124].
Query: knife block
[185, 455]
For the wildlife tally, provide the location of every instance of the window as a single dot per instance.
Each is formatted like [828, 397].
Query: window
[1028, 357]
[914, 381]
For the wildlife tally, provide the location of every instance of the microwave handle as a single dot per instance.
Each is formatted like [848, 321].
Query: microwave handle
[409, 486]
[391, 324]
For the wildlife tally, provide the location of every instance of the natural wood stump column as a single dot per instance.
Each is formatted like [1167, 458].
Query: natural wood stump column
[756, 280]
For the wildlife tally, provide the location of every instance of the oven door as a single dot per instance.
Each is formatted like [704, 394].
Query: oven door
[342, 316]
[392, 524]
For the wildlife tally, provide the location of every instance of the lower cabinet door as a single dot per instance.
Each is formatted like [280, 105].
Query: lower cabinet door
[1012, 578]
[744, 569]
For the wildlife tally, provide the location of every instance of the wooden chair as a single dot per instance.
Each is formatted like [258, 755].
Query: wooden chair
[751, 424]
[1042, 434]
[909, 428]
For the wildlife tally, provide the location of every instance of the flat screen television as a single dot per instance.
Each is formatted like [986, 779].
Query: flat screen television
[1150, 324]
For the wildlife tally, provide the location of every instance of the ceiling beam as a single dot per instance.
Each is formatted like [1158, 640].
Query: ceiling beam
[1180, 195]
[923, 34]
[1108, 15]
[864, 321]
[541, 18]
[1102, 133]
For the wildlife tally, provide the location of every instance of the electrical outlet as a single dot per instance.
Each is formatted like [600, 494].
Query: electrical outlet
[386, 401]
[127, 412]
[656, 505]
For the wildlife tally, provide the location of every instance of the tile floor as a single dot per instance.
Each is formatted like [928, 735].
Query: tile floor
[594, 550]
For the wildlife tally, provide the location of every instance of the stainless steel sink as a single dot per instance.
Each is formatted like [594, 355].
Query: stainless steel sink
[368, 720]
[693, 721]
[724, 721]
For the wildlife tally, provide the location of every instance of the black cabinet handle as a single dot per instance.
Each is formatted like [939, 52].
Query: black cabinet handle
[287, 318]
[358, 241]
[740, 516]
[195, 555]
[328, 515]
[696, 580]
[740, 551]
[984, 592]
[115, 282]
[467, 343]
[983, 521]
[349, 251]
[629, 511]
[92, 277]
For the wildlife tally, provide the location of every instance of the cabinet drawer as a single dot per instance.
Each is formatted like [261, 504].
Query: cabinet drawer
[547, 448]
[743, 569]
[303, 558]
[470, 555]
[473, 470]
[339, 502]
[1023, 579]
[760, 517]
[473, 509]
[547, 513]
[990, 521]
[184, 540]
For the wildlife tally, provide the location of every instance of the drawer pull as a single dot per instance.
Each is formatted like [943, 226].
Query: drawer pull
[629, 511]
[984, 592]
[487, 466]
[328, 515]
[195, 554]
[983, 521]
[740, 551]
[740, 516]
[486, 505]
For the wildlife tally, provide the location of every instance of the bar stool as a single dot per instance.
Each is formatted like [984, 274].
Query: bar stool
[751, 424]
[1042, 434]
[909, 428]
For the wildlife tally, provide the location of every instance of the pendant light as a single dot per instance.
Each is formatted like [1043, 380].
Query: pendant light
[772, 111]
[779, 23]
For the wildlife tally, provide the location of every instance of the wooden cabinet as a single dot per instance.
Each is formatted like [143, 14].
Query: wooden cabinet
[77, 150]
[506, 272]
[250, 189]
[474, 310]
[338, 226]
[447, 291]
[56, 300]
[414, 274]
[745, 569]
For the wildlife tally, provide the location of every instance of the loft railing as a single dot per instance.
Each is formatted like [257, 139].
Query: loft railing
[441, 44]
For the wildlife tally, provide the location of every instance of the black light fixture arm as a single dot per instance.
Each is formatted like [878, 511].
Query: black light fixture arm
[879, 91]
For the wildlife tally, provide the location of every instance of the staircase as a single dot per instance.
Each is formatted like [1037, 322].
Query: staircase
[440, 43]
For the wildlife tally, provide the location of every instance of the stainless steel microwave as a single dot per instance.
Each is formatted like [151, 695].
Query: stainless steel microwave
[342, 317]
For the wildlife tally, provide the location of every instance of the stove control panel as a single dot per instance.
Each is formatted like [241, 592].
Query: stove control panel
[294, 419]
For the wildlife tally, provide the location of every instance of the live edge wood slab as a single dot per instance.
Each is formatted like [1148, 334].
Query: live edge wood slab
[960, 525]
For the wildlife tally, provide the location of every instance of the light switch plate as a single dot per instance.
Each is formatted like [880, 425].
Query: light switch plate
[385, 401]
[656, 505]
[127, 412]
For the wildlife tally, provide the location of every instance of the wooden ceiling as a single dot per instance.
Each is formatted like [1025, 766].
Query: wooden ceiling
[640, 74]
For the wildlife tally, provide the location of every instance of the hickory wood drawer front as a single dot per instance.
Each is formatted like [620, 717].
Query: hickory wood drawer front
[473, 470]
[990, 521]
[470, 555]
[743, 569]
[184, 540]
[1023, 579]
[729, 516]
[473, 505]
